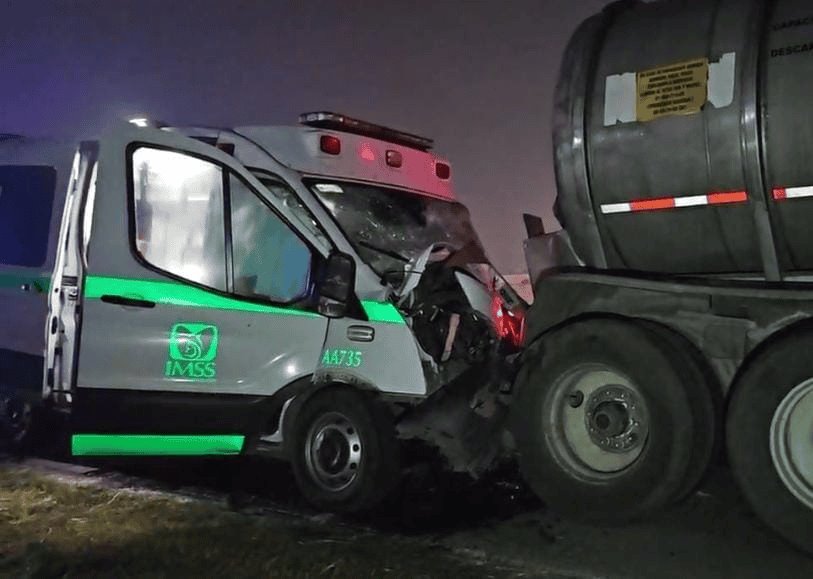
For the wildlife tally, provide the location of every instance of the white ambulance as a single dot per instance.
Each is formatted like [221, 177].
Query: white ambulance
[315, 291]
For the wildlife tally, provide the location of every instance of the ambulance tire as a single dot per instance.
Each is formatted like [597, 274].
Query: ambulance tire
[344, 452]
[16, 424]
[602, 422]
[768, 437]
[705, 398]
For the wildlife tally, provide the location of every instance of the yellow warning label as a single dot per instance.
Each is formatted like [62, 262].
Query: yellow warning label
[676, 89]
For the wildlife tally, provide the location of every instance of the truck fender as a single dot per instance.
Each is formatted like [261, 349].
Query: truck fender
[785, 332]
[535, 346]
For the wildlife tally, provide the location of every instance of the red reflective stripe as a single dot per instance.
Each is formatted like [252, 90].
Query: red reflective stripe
[780, 193]
[652, 204]
[717, 198]
[730, 197]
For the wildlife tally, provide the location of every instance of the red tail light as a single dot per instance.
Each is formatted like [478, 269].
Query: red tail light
[330, 144]
[510, 325]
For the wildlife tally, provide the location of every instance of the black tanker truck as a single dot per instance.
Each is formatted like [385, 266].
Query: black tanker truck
[673, 313]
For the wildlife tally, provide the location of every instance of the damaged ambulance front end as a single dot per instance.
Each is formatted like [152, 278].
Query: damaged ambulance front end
[466, 322]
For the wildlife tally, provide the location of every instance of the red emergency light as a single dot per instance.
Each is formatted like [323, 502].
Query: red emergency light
[394, 158]
[330, 144]
[443, 170]
[366, 152]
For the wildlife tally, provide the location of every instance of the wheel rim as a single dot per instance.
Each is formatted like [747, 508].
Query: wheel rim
[333, 452]
[791, 441]
[600, 420]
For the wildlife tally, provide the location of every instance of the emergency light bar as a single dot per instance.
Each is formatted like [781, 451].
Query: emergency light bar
[337, 122]
[144, 123]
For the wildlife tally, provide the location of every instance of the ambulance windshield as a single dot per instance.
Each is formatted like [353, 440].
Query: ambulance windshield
[388, 227]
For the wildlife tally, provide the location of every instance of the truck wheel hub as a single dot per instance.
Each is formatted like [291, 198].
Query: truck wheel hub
[791, 442]
[333, 452]
[601, 419]
[613, 418]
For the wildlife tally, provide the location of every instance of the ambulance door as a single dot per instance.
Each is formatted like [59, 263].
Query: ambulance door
[198, 301]
[62, 322]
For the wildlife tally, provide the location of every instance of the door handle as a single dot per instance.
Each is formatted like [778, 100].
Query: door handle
[127, 301]
[360, 333]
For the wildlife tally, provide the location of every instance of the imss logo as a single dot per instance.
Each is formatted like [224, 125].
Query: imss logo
[192, 352]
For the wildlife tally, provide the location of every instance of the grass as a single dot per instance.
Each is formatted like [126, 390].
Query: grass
[50, 528]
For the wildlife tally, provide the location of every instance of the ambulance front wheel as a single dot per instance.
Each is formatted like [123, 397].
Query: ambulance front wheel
[344, 451]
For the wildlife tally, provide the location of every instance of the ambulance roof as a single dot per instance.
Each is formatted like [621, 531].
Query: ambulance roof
[329, 145]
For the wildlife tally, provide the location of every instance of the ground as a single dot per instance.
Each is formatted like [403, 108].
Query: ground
[467, 530]
[56, 528]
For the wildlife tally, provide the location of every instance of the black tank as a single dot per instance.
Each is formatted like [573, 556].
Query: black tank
[683, 134]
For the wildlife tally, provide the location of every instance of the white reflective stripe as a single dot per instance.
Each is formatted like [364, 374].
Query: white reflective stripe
[691, 201]
[664, 203]
[794, 192]
[616, 208]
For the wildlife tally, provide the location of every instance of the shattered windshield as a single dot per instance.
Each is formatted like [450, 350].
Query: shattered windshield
[389, 227]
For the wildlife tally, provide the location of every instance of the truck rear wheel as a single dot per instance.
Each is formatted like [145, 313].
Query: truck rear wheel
[602, 422]
[344, 451]
[768, 433]
[700, 384]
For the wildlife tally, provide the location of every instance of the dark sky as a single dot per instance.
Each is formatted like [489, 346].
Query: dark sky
[476, 75]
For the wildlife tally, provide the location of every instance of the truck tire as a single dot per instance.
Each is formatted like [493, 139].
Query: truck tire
[768, 437]
[602, 422]
[705, 401]
[344, 452]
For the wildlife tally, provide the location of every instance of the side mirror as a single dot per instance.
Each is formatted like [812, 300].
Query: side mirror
[337, 286]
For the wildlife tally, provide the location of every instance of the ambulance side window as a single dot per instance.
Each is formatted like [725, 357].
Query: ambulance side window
[26, 199]
[270, 261]
[179, 221]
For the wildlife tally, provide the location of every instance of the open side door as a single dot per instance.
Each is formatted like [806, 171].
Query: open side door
[64, 311]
